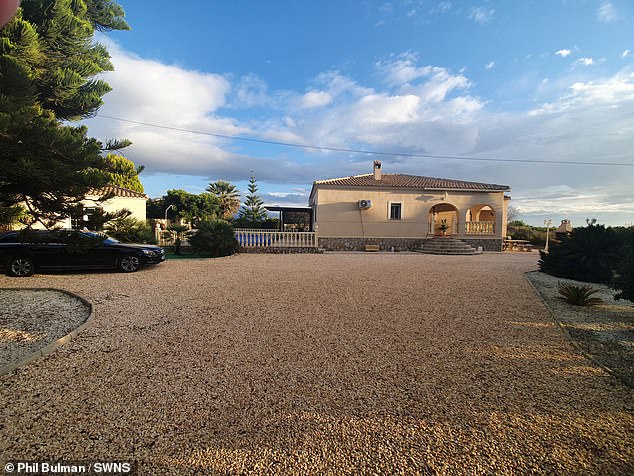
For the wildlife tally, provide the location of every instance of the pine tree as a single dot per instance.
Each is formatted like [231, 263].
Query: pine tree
[228, 198]
[253, 211]
[122, 172]
[48, 69]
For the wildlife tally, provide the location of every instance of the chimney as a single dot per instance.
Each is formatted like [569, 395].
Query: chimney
[377, 170]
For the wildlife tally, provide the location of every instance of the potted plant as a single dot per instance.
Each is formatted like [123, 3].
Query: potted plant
[443, 227]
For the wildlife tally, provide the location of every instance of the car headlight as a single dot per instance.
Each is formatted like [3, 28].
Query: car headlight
[148, 252]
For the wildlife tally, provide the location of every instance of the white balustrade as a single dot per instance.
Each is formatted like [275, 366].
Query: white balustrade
[252, 238]
[480, 228]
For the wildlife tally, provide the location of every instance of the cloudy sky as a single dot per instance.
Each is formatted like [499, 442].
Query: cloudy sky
[530, 86]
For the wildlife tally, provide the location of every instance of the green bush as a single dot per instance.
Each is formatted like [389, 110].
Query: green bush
[130, 230]
[214, 238]
[579, 295]
[623, 280]
[520, 231]
[588, 254]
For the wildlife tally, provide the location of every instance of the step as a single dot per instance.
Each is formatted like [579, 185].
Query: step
[447, 246]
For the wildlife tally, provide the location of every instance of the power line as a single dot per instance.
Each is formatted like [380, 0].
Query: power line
[367, 152]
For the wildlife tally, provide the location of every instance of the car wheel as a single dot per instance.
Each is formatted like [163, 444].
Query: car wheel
[129, 263]
[21, 267]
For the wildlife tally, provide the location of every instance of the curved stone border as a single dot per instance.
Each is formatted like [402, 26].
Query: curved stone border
[566, 333]
[50, 348]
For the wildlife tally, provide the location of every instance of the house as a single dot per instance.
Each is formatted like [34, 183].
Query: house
[120, 198]
[401, 211]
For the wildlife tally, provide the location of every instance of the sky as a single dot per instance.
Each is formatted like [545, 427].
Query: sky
[430, 85]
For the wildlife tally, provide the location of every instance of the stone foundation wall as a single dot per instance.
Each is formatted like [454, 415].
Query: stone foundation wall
[385, 244]
[257, 250]
[399, 244]
[358, 244]
[487, 244]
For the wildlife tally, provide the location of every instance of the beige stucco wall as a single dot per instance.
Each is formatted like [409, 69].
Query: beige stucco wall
[134, 204]
[338, 214]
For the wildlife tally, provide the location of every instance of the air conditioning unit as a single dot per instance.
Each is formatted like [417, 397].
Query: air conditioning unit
[365, 204]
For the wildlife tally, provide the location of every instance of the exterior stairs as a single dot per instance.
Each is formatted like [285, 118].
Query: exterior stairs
[447, 246]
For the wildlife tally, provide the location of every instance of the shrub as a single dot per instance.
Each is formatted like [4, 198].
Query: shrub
[517, 230]
[215, 238]
[130, 230]
[579, 295]
[588, 254]
[623, 280]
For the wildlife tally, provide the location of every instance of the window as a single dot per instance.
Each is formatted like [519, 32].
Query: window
[395, 211]
[10, 238]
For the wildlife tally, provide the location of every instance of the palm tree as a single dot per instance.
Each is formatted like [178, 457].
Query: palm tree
[228, 197]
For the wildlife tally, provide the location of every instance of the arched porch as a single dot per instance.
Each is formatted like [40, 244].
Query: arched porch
[480, 220]
[443, 220]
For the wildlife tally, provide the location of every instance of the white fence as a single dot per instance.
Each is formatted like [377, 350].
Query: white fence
[252, 238]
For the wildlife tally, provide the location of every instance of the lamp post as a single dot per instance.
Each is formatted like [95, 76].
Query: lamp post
[547, 223]
[171, 206]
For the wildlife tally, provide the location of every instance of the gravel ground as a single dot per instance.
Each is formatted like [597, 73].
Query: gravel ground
[306, 364]
[32, 319]
[605, 331]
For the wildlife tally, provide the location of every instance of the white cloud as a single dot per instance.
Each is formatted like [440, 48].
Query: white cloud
[585, 61]
[337, 84]
[564, 200]
[489, 65]
[164, 90]
[401, 69]
[612, 91]
[626, 54]
[314, 99]
[606, 13]
[563, 53]
[481, 15]
[251, 91]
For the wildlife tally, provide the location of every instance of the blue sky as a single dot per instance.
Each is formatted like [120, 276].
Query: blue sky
[531, 80]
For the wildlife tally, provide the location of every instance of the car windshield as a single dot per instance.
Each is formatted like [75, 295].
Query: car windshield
[107, 239]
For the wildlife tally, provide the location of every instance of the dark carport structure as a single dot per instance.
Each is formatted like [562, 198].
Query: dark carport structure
[301, 217]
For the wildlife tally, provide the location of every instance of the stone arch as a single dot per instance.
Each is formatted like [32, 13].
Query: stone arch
[438, 213]
[480, 212]
[480, 220]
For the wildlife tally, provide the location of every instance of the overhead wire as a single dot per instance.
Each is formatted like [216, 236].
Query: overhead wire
[366, 152]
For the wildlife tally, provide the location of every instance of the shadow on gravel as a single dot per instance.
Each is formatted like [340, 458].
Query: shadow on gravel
[605, 332]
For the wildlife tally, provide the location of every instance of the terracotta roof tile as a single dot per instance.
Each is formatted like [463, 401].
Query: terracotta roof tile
[410, 181]
[116, 191]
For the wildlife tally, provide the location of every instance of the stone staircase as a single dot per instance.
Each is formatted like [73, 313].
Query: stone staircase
[447, 246]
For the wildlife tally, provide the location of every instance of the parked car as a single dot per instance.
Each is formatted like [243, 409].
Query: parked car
[24, 252]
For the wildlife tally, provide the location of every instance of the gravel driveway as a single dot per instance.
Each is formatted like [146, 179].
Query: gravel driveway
[333, 363]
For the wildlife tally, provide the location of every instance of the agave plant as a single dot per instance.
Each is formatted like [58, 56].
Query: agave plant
[579, 295]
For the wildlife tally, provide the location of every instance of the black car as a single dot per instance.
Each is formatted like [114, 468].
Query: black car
[24, 252]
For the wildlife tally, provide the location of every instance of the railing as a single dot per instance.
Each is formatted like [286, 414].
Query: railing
[479, 228]
[251, 238]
